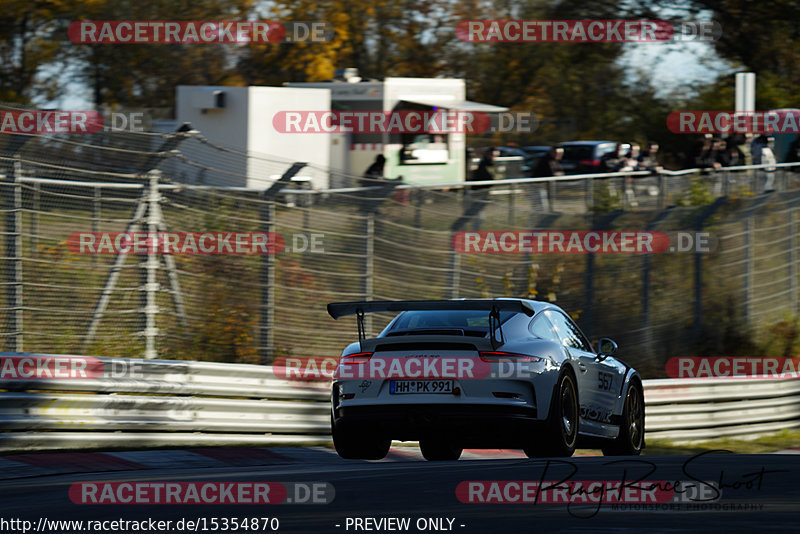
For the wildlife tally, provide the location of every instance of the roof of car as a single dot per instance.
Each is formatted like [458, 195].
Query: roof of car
[584, 143]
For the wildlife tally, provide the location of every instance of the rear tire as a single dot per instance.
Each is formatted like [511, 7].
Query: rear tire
[561, 429]
[630, 441]
[358, 444]
[439, 448]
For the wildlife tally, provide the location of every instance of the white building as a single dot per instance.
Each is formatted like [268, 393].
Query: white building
[240, 120]
[418, 158]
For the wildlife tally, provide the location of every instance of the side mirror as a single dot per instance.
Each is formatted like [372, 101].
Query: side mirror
[605, 348]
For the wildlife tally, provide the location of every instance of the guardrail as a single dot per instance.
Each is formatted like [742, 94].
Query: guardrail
[692, 409]
[159, 403]
[156, 403]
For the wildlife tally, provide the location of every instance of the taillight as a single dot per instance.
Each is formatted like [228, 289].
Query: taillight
[357, 358]
[590, 162]
[496, 356]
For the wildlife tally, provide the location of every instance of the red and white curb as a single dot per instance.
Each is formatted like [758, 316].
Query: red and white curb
[14, 466]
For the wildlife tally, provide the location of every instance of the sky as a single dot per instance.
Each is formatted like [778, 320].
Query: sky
[672, 68]
[669, 69]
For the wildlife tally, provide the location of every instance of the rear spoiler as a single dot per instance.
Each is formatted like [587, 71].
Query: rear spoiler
[494, 307]
[340, 309]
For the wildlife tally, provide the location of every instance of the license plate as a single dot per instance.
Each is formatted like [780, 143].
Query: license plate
[399, 387]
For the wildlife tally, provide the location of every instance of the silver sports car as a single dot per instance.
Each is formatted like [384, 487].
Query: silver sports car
[502, 373]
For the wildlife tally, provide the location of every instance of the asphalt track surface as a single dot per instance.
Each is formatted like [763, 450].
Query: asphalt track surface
[760, 493]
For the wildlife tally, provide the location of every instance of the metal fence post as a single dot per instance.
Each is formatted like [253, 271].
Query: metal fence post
[455, 274]
[698, 289]
[369, 265]
[647, 264]
[96, 215]
[603, 223]
[589, 186]
[266, 275]
[624, 192]
[588, 316]
[34, 239]
[748, 268]
[267, 285]
[151, 266]
[418, 201]
[511, 204]
[793, 262]
[14, 341]
[698, 265]
[551, 195]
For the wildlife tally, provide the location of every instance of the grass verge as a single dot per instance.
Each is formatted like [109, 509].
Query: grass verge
[785, 439]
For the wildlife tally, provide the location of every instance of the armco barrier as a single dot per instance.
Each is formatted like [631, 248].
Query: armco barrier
[156, 403]
[692, 409]
[159, 403]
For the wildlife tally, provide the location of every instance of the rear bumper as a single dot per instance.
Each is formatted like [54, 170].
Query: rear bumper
[472, 425]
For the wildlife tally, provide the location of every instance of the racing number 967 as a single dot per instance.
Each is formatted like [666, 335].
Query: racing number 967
[604, 381]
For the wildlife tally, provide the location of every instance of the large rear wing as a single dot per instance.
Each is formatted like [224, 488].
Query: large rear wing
[494, 307]
[340, 309]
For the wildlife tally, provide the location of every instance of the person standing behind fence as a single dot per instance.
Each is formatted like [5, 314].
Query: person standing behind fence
[761, 149]
[629, 163]
[613, 161]
[374, 172]
[477, 196]
[648, 160]
[548, 165]
[482, 173]
[705, 156]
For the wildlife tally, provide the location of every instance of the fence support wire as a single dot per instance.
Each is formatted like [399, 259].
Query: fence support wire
[149, 204]
[113, 273]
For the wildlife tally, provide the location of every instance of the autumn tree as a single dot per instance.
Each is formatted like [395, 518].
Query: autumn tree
[28, 47]
[145, 75]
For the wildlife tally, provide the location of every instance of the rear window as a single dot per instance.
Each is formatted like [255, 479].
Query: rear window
[602, 150]
[578, 152]
[469, 319]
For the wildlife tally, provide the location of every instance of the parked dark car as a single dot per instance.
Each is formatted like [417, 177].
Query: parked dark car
[584, 157]
[535, 153]
[536, 150]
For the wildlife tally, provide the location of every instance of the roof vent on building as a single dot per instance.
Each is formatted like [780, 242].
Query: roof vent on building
[209, 99]
[349, 75]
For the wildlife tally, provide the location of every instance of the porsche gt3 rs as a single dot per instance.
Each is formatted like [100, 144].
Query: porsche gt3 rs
[502, 373]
